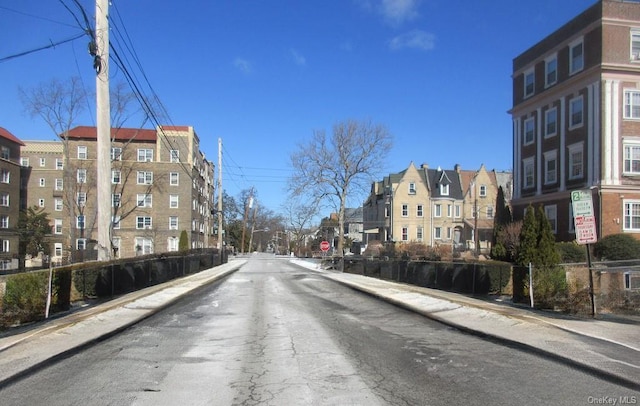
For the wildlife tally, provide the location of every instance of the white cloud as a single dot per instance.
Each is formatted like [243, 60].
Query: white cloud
[415, 39]
[298, 59]
[243, 65]
[399, 11]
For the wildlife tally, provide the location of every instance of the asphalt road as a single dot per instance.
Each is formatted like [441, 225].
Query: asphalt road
[276, 334]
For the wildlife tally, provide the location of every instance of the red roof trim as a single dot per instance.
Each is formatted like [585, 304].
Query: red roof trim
[117, 134]
[4, 133]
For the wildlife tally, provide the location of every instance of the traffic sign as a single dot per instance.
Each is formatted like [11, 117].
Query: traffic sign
[324, 246]
[583, 217]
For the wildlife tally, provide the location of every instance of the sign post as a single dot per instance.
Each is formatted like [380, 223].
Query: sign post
[584, 221]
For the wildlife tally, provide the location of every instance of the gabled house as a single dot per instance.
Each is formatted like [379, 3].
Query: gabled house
[446, 198]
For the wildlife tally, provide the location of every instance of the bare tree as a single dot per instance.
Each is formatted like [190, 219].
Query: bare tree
[299, 216]
[332, 167]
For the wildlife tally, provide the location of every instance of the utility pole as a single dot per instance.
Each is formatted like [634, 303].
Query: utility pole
[103, 123]
[244, 220]
[220, 230]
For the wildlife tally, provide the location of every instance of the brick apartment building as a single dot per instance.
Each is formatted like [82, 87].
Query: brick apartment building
[10, 198]
[162, 184]
[576, 120]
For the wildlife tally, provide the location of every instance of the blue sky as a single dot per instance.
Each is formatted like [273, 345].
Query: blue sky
[264, 75]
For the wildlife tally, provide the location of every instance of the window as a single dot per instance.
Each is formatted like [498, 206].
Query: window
[448, 233]
[551, 71]
[4, 246]
[82, 175]
[145, 178]
[449, 210]
[575, 161]
[4, 199]
[576, 57]
[419, 233]
[444, 190]
[57, 249]
[529, 129]
[437, 210]
[552, 216]
[5, 176]
[82, 152]
[529, 82]
[528, 169]
[551, 122]
[173, 222]
[144, 200]
[116, 176]
[412, 188]
[437, 233]
[483, 190]
[4, 221]
[632, 158]
[632, 280]
[80, 222]
[489, 212]
[81, 244]
[174, 156]
[115, 221]
[456, 211]
[173, 201]
[405, 210]
[550, 167]
[5, 153]
[42, 182]
[24, 161]
[40, 202]
[116, 154]
[143, 246]
[575, 112]
[57, 226]
[173, 178]
[57, 204]
[172, 244]
[632, 104]
[116, 199]
[419, 210]
[43, 162]
[143, 222]
[631, 215]
[405, 233]
[635, 45]
[59, 184]
[145, 155]
[59, 164]
[81, 199]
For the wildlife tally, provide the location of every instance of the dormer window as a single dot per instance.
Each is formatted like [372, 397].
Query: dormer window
[576, 56]
[412, 188]
[444, 190]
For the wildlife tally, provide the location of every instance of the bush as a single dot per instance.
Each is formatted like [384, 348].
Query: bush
[550, 287]
[617, 247]
[571, 252]
[25, 298]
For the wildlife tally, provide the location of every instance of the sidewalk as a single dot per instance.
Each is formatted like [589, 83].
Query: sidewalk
[609, 348]
[56, 339]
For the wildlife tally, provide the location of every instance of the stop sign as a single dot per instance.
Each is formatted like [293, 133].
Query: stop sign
[324, 246]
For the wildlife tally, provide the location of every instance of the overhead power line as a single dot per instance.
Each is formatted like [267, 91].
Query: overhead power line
[51, 45]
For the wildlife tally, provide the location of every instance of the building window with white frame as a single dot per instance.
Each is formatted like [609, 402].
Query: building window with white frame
[57, 249]
[457, 211]
[419, 233]
[145, 177]
[174, 156]
[575, 161]
[529, 82]
[5, 176]
[550, 167]
[444, 190]
[42, 182]
[576, 57]
[437, 233]
[59, 164]
[405, 233]
[528, 180]
[5, 153]
[115, 222]
[529, 131]
[43, 162]
[437, 210]
[635, 44]
[631, 215]
[82, 152]
[81, 244]
[173, 222]
[116, 176]
[145, 200]
[116, 154]
[551, 71]
[172, 244]
[405, 210]
[116, 199]
[174, 178]
[576, 112]
[143, 245]
[551, 122]
[632, 157]
[4, 199]
[80, 222]
[143, 222]
[412, 188]
[173, 201]
[81, 199]
[419, 210]
[81, 175]
[4, 245]
[483, 190]
[551, 212]
[145, 155]
[59, 184]
[57, 226]
[40, 202]
[24, 161]
[57, 204]
[632, 104]
[4, 221]
[489, 212]
[449, 211]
